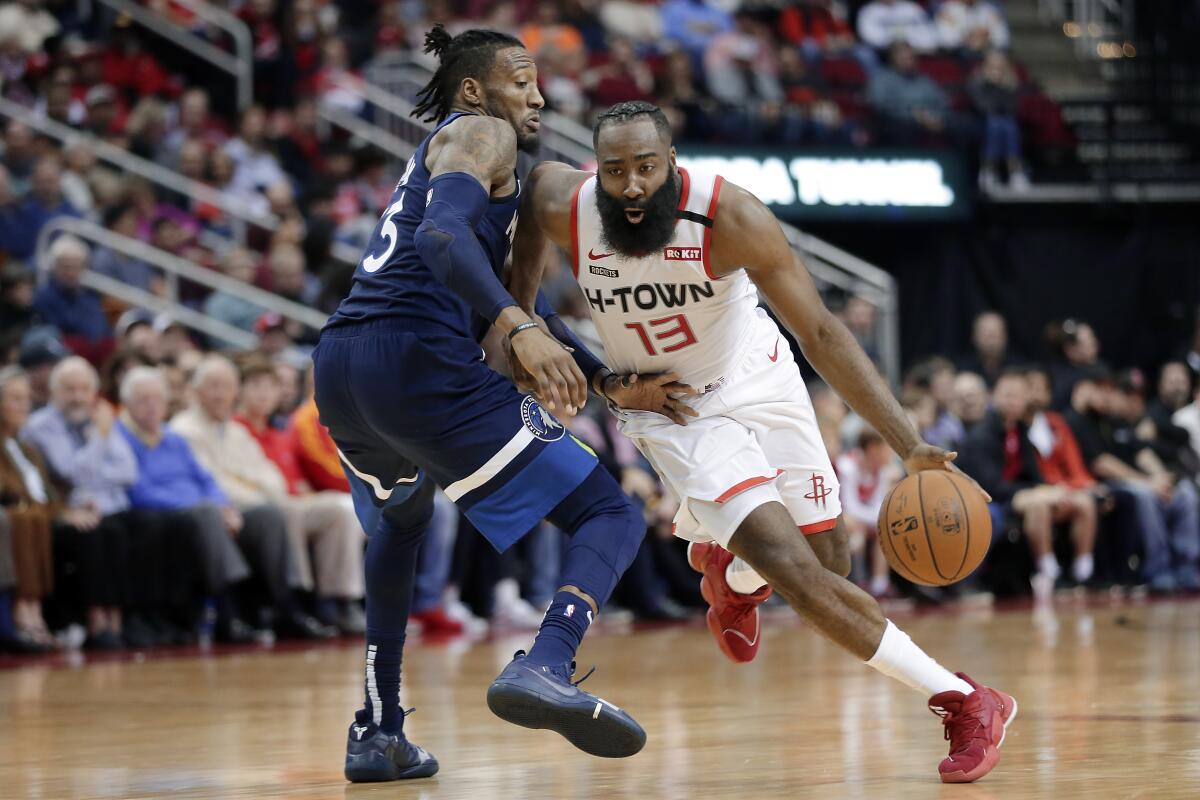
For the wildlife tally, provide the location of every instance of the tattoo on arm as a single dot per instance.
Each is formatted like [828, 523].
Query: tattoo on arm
[482, 147]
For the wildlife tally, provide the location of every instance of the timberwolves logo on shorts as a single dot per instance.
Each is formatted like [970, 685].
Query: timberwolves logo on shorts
[539, 421]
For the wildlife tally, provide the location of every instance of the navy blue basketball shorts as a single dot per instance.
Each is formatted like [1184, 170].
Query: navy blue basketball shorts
[401, 405]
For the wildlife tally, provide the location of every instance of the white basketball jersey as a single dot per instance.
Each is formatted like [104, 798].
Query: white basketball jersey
[664, 312]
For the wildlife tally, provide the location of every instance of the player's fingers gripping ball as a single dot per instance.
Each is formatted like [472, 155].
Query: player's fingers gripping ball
[935, 527]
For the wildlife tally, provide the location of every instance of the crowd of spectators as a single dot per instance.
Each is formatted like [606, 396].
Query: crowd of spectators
[157, 486]
[1087, 467]
[287, 189]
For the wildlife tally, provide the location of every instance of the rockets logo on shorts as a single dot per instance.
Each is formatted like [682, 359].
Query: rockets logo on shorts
[819, 492]
[683, 254]
[540, 422]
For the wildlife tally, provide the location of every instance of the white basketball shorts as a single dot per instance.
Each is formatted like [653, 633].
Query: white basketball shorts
[756, 441]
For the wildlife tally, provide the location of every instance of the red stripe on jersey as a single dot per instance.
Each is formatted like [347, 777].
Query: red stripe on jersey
[685, 189]
[749, 483]
[819, 527]
[712, 212]
[575, 229]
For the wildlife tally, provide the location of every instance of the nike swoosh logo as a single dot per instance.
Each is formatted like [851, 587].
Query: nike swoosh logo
[757, 628]
[592, 255]
[565, 691]
[775, 356]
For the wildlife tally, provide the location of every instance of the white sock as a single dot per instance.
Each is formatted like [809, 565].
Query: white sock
[742, 578]
[1048, 565]
[1082, 568]
[897, 657]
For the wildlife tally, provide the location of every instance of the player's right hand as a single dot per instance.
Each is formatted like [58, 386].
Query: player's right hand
[661, 393]
[548, 370]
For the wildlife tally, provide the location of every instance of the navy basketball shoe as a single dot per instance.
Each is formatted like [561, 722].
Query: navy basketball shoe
[372, 756]
[544, 697]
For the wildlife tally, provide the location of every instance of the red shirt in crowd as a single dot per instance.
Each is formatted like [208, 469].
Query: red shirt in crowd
[280, 447]
[1065, 464]
[1012, 453]
[811, 22]
[317, 454]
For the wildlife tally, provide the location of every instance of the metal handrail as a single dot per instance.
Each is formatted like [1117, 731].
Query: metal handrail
[563, 138]
[240, 214]
[235, 337]
[1093, 23]
[239, 64]
[850, 273]
[145, 168]
[372, 134]
[173, 266]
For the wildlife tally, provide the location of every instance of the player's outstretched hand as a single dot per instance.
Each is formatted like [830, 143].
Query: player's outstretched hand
[660, 392]
[926, 456]
[545, 368]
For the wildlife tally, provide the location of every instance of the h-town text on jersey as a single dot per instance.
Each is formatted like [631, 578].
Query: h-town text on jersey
[648, 296]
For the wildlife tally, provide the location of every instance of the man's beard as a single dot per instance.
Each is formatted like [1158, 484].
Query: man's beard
[528, 143]
[657, 227]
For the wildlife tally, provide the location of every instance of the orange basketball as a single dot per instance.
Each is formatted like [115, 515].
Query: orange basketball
[934, 527]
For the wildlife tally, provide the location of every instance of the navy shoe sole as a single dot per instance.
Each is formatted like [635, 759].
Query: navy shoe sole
[376, 767]
[587, 722]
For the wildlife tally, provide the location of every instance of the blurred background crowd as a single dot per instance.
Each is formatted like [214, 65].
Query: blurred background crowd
[160, 485]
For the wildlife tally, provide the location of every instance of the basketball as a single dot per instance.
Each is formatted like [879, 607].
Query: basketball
[934, 527]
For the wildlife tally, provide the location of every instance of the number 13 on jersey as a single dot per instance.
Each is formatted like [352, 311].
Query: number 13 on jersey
[674, 327]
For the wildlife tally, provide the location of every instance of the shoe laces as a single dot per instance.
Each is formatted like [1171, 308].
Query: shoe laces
[565, 672]
[584, 678]
[743, 609]
[960, 727]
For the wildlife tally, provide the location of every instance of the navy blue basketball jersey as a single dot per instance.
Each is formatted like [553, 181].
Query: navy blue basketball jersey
[391, 281]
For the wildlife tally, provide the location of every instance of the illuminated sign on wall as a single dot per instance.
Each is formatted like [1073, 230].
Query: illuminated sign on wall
[819, 185]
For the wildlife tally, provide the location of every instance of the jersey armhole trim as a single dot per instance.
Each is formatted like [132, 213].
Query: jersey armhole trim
[712, 214]
[575, 229]
[685, 189]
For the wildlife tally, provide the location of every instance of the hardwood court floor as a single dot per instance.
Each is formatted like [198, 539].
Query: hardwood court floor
[1109, 708]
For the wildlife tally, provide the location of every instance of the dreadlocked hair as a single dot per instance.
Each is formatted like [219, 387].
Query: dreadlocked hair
[628, 111]
[468, 55]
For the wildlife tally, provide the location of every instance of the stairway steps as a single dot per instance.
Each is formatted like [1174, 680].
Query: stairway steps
[1130, 152]
[1123, 133]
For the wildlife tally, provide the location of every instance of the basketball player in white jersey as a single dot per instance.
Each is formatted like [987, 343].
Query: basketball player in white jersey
[671, 264]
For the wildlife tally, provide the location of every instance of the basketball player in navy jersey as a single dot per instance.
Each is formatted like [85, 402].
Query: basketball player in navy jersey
[403, 388]
[674, 263]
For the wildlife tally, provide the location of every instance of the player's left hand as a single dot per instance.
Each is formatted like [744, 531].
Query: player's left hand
[525, 381]
[661, 393]
[926, 456]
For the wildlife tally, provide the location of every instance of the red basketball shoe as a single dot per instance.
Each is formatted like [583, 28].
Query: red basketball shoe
[436, 622]
[732, 617]
[975, 726]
